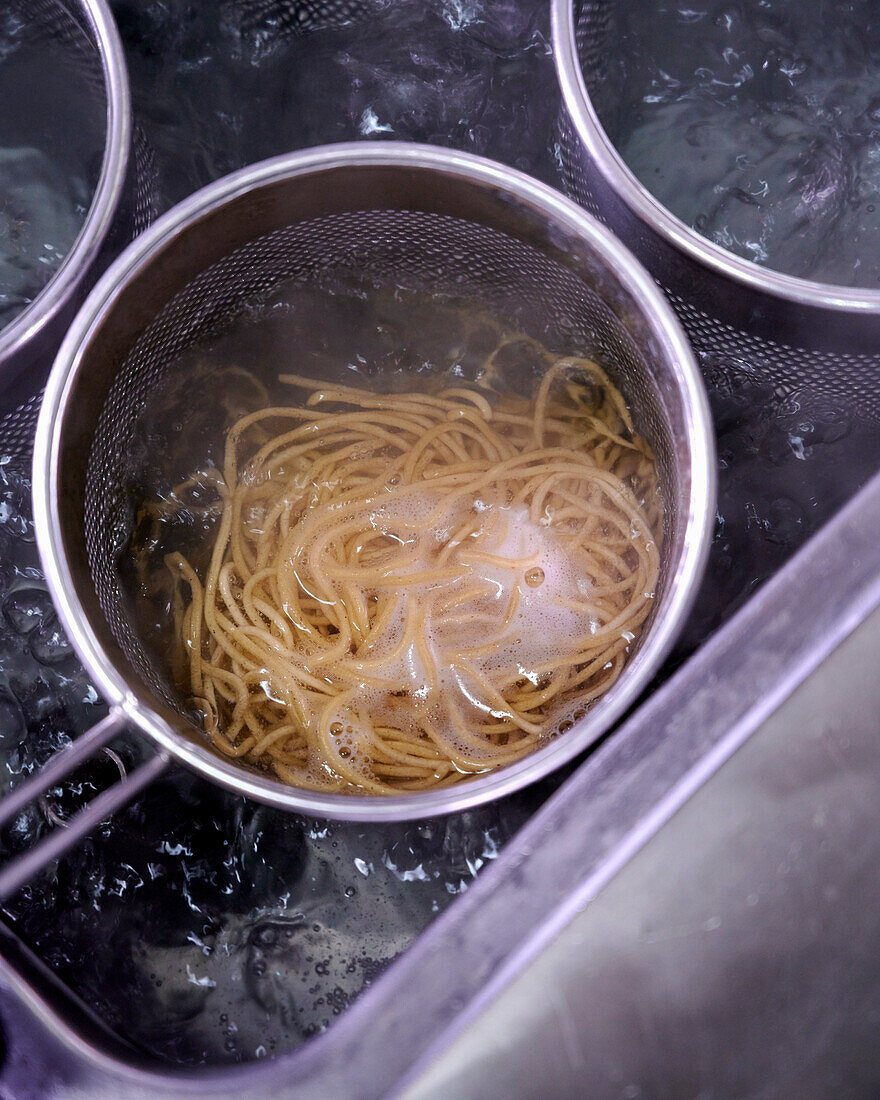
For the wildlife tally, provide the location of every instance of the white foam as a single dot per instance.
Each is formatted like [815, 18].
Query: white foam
[540, 629]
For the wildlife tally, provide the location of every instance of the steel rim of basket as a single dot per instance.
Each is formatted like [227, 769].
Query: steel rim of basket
[503, 184]
[647, 209]
[38, 317]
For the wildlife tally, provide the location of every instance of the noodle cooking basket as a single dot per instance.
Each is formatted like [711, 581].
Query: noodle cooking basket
[83, 33]
[816, 344]
[408, 215]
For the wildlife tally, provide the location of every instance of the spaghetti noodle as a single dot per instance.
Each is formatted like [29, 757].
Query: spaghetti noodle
[410, 588]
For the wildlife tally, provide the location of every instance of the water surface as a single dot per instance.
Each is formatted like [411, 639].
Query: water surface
[757, 122]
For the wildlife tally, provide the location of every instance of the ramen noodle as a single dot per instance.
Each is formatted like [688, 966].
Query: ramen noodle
[406, 589]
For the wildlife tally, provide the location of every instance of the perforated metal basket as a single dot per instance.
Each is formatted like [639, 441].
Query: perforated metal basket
[404, 215]
[85, 34]
[809, 340]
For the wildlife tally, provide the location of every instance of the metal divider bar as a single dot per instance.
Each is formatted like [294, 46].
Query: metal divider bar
[18, 870]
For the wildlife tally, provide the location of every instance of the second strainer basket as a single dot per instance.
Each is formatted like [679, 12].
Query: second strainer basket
[65, 141]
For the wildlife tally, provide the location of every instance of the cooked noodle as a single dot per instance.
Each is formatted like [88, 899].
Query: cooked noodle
[409, 588]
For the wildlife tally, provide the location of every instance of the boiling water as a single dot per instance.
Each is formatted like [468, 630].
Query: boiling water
[757, 122]
[51, 146]
[202, 927]
[220, 85]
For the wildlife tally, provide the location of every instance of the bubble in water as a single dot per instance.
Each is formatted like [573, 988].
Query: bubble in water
[26, 609]
[49, 644]
[534, 577]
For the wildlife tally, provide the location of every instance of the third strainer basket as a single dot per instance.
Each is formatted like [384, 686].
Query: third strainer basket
[811, 342]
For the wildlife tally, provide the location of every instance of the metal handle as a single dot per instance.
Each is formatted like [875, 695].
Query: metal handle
[18, 870]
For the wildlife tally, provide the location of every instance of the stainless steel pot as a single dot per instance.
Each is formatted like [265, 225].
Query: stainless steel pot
[425, 216]
[84, 32]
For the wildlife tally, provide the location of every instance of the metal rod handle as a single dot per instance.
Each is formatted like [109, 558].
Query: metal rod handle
[61, 765]
[18, 870]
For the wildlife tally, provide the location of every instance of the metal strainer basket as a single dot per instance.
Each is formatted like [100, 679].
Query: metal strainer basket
[808, 339]
[406, 215]
[83, 35]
